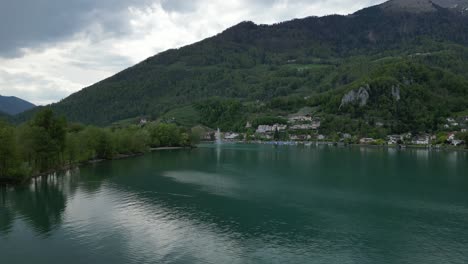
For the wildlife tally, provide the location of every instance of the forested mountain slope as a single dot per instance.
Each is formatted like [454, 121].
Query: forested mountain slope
[416, 45]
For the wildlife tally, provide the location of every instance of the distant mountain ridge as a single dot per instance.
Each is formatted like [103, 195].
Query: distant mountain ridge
[421, 6]
[13, 105]
[314, 57]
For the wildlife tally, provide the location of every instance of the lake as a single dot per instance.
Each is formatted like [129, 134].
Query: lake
[245, 204]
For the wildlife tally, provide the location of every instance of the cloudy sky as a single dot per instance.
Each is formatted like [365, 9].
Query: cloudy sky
[52, 48]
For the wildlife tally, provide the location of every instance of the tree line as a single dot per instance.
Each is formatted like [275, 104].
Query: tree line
[48, 142]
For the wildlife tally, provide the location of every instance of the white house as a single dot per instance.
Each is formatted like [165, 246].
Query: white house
[301, 118]
[379, 124]
[346, 136]
[366, 140]
[231, 136]
[393, 139]
[262, 129]
[451, 137]
[421, 140]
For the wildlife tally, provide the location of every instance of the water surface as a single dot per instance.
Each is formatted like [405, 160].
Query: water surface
[245, 204]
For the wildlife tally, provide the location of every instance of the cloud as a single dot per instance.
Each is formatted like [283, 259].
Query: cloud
[30, 23]
[51, 48]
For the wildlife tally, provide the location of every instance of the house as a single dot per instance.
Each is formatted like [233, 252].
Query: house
[366, 140]
[450, 120]
[321, 137]
[394, 139]
[300, 137]
[464, 130]
[231, 136]
[451, 137]
[421, 140]
[346, 136]
[143, 121]
[379, 124]
[457, 142]
[208, 136]
[248, 125]
[262, 129]
[314, 125]
[302, 127]
[407, 135]
[304, 122]
[300, 118]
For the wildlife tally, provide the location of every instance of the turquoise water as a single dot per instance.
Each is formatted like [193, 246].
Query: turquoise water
[245, 204]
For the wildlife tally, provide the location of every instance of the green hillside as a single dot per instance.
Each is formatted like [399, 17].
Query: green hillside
[268, 70]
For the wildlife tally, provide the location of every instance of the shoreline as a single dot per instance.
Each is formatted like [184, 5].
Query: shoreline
[341, 145]
[15, 182]
[170, 148]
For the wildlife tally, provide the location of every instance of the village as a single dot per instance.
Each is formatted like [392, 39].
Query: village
[305, 129]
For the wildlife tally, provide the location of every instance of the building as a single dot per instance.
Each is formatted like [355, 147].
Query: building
[421, 140]
[366, 140]
[310, 124]
[407, 135]
[302, 127]
[262, 129]
[379, 124]
[231, 136]
[457, 142]
[346, 136]
[321, 137]
[209, 136]
[394, 139]
[300, 118]
[451, 137]
[300, 137]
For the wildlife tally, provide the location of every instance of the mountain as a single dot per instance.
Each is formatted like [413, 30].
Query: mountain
[13, 105]
[417, 47]
[421, 6]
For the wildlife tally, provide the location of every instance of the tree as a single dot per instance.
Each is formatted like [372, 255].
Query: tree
[166, 135]
[8, 154]
[47, 138]
[276, 136]
[463, 136]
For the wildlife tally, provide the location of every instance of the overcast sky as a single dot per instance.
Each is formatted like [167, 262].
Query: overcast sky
[52, 48]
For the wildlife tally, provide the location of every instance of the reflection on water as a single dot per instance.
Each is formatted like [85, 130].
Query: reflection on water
[41, 204]
[245, 204]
